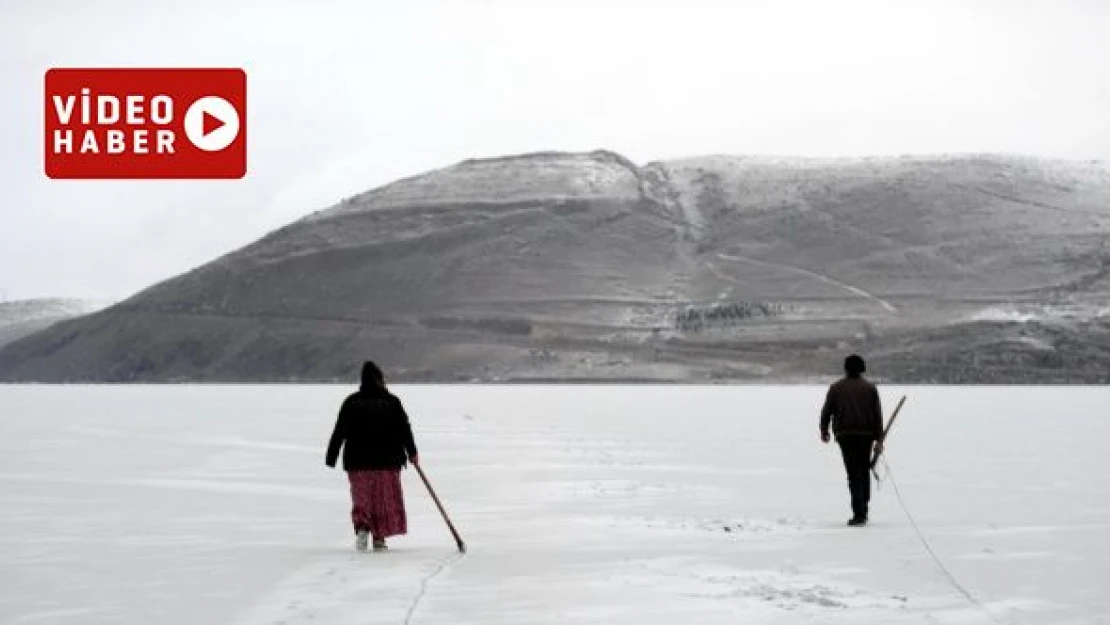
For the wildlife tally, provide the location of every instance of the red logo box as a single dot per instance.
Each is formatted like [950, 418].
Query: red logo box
[146, 123]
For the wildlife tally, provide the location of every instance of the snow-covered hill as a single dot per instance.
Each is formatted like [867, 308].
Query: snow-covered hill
[20, 318]
[577, 266]
[538, 177]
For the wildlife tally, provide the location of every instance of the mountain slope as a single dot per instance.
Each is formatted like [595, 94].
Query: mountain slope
[24, 317]
[574, 266]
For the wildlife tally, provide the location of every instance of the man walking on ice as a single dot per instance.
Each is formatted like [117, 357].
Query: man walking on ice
[853, 408]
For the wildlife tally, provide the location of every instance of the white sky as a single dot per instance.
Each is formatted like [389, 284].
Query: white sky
[345, 96]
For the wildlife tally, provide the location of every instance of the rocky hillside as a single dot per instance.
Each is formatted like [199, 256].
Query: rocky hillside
[23, 317]
[556, 266]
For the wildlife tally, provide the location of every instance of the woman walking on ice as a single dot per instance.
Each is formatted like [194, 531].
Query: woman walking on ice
[374, 432]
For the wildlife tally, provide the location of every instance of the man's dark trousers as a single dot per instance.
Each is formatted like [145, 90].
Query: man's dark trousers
[857, 462]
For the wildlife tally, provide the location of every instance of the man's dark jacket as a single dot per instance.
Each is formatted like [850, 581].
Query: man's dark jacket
[853, 407]
[373, 430]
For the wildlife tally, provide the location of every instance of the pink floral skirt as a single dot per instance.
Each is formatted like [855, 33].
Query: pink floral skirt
[378, 503]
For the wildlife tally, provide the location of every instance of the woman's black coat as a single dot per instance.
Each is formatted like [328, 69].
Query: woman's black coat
[373, 430]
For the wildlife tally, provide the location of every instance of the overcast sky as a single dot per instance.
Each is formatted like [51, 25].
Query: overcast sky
[345, 96]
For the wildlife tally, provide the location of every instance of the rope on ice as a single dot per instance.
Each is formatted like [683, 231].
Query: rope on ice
[932, 553]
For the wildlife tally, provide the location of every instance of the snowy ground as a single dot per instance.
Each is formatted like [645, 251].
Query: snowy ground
[211, 505]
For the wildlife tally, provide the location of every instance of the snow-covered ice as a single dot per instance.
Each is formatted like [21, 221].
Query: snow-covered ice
[211, 505]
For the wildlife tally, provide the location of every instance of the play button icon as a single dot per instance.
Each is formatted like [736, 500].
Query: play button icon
[211, 123]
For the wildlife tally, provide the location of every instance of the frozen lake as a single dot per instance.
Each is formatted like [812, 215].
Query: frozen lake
[199, 505]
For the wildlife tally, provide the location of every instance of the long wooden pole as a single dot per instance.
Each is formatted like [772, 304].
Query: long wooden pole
[886, 431]
[451, 526]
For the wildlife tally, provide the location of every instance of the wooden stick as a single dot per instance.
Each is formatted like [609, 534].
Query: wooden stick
[886, 431]
[458, 541]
